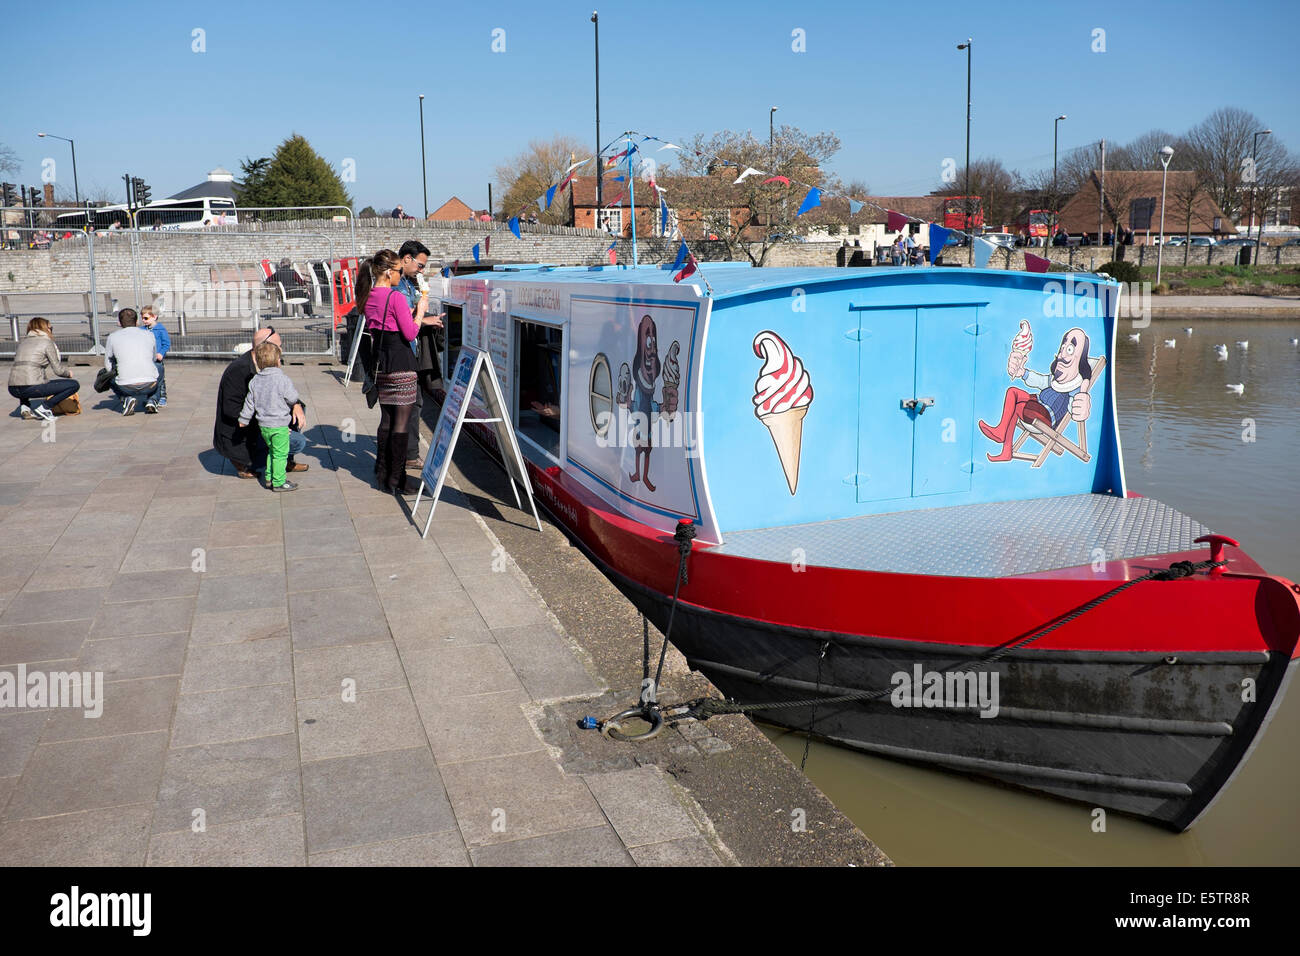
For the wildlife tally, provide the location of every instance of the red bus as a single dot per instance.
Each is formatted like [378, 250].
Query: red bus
[963, 212]
[1040, 222]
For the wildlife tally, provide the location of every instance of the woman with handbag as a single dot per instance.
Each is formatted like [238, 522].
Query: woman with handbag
[39, 379]
[392, 328]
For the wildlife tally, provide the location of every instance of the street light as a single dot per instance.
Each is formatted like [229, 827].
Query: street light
[600, 177]
[771, 155]
[1254, 179]
[75, 188]
[1166, 154]
[965, 203]
[1056, 127]
[424, 176]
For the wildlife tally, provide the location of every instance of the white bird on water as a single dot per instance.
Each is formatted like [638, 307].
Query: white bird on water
[1237, 388]
[1170, 343]
[1188, 331]
[1244, 344]
[1134, 336]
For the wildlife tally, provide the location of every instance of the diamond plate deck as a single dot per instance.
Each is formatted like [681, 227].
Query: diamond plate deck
[992, 540]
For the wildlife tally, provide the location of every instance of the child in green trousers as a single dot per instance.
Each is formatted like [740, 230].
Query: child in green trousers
[271, 397]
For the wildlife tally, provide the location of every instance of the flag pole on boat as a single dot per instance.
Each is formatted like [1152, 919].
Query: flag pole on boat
[631, 186]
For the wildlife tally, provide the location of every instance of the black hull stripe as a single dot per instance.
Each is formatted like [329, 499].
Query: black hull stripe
[1154, 725]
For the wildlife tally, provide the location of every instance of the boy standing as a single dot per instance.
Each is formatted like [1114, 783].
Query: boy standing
[271, 397]
[162, 345]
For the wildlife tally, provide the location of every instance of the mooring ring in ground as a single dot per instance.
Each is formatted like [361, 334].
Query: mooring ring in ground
[612, 727]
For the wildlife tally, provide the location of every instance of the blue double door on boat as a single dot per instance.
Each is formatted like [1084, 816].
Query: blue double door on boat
[916, 401]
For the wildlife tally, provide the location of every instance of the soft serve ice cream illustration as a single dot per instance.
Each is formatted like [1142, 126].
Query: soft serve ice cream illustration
[782, 396]
[672, 379]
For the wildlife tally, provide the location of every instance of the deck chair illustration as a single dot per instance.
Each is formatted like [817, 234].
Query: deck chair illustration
[1035, 423]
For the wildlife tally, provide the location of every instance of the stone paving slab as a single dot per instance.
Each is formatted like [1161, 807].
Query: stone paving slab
[288, 679]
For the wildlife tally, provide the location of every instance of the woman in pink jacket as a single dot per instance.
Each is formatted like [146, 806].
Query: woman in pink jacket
[392, 328]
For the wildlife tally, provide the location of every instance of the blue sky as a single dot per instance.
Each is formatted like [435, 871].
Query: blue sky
[886, 77]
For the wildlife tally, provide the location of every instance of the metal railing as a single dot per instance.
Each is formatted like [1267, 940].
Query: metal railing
[75, 314]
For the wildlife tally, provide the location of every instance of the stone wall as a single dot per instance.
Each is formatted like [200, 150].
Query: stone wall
[169, 259]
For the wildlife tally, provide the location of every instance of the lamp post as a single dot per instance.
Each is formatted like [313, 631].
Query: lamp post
[1254, 174]
[965, 202]
[595, 19]
[424, 176]
[1056, 130]
[76, 190]
[1166, 154]
[771, 155]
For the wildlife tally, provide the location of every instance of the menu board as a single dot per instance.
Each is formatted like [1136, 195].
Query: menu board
[474, 374]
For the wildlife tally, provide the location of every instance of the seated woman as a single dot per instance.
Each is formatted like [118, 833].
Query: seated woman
[39, 379]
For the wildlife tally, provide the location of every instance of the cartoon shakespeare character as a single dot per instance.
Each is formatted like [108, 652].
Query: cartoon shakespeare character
[1063, 391]
[645, 372]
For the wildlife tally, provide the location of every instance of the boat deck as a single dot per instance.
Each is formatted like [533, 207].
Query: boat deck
[997, 539]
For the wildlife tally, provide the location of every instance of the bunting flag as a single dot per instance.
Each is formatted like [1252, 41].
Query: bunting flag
[682, 253]
[776, 179]
[663, 216]
[669, 146]
[613, 256]
[544, 201]
[446, 272]
[550, 194]
[455, 265]
[475, 251]
[487, 246]
[938, 239]
[514, 226]
[619, 179]
[749, 171]
[1035, 263]
[895, 221]
[811, 201]
[854, 206]
[613, 160]
[983, 250]
[573, 166]
[688, 269]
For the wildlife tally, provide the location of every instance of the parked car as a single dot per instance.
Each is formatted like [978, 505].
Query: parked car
[1175, 241]
[1201, 241]
[1005, 239]
[1292, 242]
[1239, 241]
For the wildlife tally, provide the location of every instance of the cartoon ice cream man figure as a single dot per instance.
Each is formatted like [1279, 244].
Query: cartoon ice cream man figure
[645, 372]
[782, 396]
[1063, 390]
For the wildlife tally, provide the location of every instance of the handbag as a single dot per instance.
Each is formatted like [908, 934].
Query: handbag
[372, 388]
[69, 406]
[104, 379]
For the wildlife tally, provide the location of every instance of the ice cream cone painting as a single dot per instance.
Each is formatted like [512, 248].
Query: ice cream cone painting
[782, 396]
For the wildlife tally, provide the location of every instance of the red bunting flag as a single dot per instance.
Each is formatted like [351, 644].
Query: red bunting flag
[487, 245]
[776, 179]
[894, 221]
[613, 254]
[688, 269]
[1035, 263]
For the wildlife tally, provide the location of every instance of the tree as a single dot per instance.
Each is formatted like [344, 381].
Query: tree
[9, 164]
[753, 216]
[295, 176]
[1221, 149]
[367, 213]
[530, 173]
[1000, 190]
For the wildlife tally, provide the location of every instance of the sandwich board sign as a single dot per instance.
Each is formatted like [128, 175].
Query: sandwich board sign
[473, 369]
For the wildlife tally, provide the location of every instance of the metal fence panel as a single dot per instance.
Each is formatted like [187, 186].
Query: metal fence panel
[76, 314]
[214, 294]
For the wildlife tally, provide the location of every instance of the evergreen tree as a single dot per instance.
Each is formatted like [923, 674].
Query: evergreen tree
[295, 176]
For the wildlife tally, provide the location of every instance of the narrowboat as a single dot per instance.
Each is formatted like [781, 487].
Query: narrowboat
[902, 481]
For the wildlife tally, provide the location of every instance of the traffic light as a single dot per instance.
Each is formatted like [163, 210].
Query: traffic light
[142, 191]
[38, 196]
[10, 197]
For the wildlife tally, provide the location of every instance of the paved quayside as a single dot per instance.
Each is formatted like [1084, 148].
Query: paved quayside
[298, 678]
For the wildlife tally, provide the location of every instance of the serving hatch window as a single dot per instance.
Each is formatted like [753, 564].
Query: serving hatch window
[451, 336]
[539, 354]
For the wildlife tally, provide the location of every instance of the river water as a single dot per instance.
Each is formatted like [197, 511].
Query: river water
[1182, 433]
